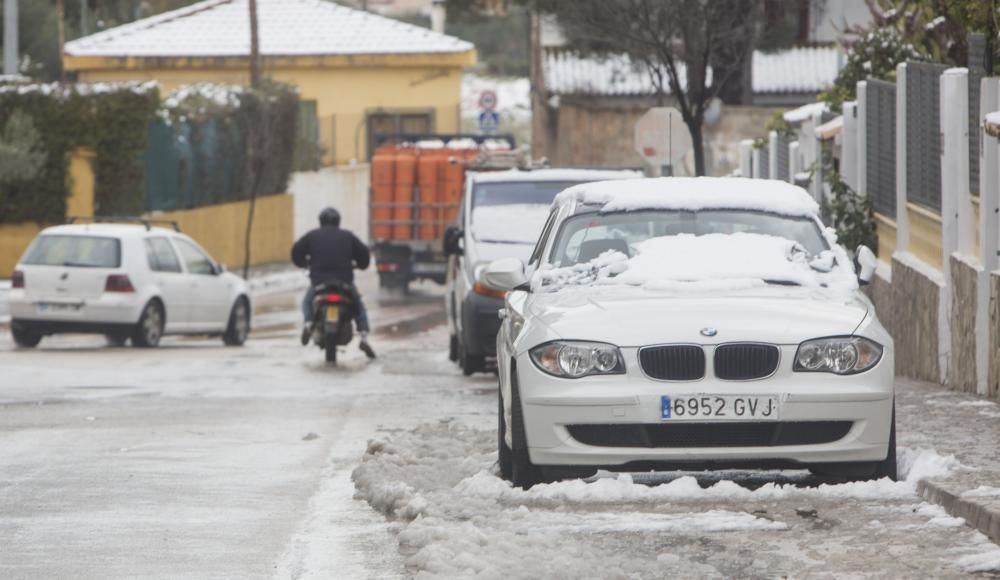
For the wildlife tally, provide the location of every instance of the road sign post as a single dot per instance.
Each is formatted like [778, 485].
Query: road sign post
[662, 139]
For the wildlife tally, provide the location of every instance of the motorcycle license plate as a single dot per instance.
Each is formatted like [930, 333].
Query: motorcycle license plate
[332, 313]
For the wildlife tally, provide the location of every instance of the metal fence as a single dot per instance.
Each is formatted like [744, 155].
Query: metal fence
[763, 169]
[880, 119]
[782, 158]
[977, 70]
[923, 134]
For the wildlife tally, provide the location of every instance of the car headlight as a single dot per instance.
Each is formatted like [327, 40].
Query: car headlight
[842, 355]
[575, 359]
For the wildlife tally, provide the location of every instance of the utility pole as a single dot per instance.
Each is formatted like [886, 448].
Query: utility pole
[539, 94]
[10, 56]
[62, 38]
[84, 18]
[254, 47]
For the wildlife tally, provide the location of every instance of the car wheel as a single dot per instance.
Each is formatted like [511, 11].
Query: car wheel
[864, 471]
[523, 473]
[470, 363]
[503, 450]
[149, 330]
[453, 348]
[116, 340]
[239, 324]
[24, 338]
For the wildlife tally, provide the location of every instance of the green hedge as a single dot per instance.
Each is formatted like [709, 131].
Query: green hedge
[110, 118]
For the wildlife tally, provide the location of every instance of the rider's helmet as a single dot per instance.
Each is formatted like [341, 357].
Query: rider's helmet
[329, 217]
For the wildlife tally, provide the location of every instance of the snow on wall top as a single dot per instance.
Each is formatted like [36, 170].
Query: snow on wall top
[795, 70]
[554, 174]
[694, 193]
[218, 28]
[993, 118]
[805, 112]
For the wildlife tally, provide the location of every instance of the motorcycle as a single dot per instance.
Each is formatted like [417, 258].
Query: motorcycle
[333, 314]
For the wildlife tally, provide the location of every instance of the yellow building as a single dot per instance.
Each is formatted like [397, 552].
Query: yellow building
[358, 73]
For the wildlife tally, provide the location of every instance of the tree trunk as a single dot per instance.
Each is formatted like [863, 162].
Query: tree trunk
[698, 146]
[254, 47]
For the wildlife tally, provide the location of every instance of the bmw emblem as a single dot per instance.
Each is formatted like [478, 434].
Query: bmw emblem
[709, 331]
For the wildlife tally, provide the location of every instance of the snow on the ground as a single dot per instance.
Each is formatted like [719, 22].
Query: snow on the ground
[456, 518]
[277, 282]
[4, 311]
[740, 259]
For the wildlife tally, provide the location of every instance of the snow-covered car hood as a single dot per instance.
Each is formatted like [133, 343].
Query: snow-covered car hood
[637, 317]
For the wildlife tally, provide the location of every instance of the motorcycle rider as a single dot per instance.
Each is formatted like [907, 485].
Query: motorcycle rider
[331, 254]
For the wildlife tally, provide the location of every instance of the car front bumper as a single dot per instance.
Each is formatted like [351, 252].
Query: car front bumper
[614, 421]
[480, 324]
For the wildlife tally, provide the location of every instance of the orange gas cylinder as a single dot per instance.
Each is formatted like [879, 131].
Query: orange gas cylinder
[383, 173]
[454, 182]
[406, 180]
[430, 180]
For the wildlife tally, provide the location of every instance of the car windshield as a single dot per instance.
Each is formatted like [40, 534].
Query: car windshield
[512, 212]
[74, 251]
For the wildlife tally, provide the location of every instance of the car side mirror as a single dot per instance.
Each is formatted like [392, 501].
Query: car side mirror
[865, 263]
[505, 274]
[452, 241]
[219, 269]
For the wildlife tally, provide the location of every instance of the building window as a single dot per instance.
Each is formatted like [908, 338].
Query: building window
[308, 149]
[388, 124]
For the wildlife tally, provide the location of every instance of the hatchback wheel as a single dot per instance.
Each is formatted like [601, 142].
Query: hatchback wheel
[25, 338]
[149, 330]
[470, 363]
[239, 324]
[523, 473]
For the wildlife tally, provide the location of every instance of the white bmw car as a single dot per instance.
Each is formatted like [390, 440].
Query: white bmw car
[128, 282]
[691, 323]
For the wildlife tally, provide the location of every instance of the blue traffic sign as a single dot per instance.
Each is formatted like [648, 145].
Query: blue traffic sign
[489, 122]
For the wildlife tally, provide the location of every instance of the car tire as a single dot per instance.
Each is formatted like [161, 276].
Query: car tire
[470, 363]
[24, 338]
[453, 348]
[523, 473]
[149, 330]
[238, 327]
[116, 340]
[504, 458]
[864, 471]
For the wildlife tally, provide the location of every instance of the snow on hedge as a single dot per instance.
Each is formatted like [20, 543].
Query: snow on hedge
[710, 261]
[66, 90]
[693, 194]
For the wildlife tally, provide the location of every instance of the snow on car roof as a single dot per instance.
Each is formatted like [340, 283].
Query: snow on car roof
[104, 229]
[554, 175]
[694, 193]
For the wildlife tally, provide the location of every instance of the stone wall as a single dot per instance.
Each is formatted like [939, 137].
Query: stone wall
[962, 362]
[915, 304]
[880, 293]
[994, 378]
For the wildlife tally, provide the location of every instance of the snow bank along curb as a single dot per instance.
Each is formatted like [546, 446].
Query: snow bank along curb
[979, 512]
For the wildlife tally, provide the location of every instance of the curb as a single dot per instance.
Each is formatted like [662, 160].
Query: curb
[978, 515]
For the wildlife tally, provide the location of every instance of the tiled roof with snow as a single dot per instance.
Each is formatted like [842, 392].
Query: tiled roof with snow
[219, 28]
[797, 70]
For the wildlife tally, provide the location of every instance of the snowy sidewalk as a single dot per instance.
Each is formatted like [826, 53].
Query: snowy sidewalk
[967, 427]
[4, 311]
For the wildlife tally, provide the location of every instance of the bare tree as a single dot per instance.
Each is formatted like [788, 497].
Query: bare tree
[681, 43]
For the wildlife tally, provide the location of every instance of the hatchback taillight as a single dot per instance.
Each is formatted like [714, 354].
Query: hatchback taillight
[17, 281]
[118, 283]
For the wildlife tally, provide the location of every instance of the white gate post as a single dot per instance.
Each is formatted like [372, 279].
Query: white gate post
[772, 155]
[849, 146]
[794, 161]
[902, 215]
[861, 146]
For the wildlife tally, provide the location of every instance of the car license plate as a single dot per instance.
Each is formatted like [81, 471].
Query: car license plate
[719, 407]
[332, 313]
[45, 307]
[437, 268]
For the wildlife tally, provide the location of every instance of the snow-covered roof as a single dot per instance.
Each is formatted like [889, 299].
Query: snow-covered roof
[107, 229]
[797, 70]
[219, 28]
[694, 193]
[554, 174]
[805, 112]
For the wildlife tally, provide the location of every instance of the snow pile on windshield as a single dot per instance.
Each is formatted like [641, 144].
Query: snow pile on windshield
[723, 261]
[516, 222]
[693, 194]
[455, 518]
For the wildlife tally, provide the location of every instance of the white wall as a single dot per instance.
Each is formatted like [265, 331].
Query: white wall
[836, 16]
[345, 188]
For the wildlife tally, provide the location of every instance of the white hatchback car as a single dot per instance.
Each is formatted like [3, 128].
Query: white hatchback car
[684, 323]
[125, 281]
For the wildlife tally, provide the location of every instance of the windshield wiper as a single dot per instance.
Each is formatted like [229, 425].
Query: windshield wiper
[80, 265]
[781, 282]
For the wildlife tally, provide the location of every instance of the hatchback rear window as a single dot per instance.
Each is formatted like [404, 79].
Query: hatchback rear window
[75, 251]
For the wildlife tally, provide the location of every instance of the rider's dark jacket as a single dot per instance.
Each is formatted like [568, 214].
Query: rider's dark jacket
[331, 254]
